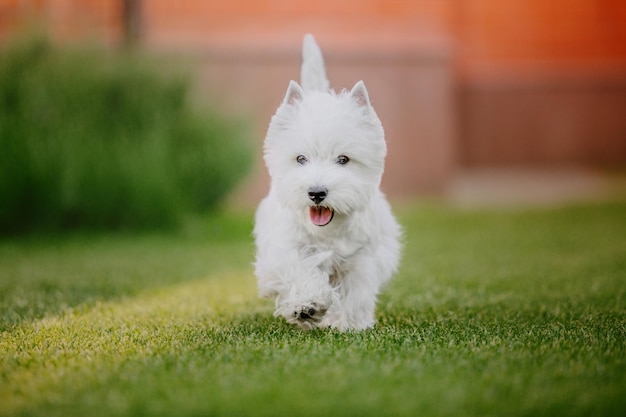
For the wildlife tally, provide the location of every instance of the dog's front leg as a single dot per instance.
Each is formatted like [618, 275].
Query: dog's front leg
[357, 292]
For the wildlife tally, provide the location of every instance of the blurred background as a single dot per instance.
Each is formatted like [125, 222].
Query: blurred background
[480, 99]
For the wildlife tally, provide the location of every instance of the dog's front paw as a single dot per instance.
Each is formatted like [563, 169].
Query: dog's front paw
[307, 299]
[308, 316]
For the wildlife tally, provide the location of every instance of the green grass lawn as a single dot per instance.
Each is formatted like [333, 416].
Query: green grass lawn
[503, 313]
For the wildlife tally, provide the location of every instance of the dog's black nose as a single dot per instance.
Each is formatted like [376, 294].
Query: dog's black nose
[317, 194]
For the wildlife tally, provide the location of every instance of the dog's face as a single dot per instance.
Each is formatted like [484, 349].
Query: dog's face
[325, 153]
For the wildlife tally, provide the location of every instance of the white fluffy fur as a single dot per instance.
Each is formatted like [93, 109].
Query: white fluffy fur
[325, 276]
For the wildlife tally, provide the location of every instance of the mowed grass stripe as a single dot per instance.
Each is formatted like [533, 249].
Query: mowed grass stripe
[84, 343]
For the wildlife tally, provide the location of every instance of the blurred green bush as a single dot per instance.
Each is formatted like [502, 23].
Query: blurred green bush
[101, 140]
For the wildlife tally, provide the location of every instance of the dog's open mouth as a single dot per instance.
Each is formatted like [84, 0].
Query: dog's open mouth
[320, 215]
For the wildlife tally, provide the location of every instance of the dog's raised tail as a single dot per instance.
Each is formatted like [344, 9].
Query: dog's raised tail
[313, 73]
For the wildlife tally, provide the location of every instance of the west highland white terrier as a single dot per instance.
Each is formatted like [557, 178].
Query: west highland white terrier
[326, 237]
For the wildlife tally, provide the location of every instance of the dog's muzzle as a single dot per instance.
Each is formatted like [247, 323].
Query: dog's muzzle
[320, 215]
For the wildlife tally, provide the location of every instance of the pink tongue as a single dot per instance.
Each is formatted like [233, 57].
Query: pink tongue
[320, 216]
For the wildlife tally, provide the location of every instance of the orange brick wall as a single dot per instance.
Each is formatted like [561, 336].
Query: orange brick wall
[490, 35]
[542, 82]
[536, 34]
[197, 23]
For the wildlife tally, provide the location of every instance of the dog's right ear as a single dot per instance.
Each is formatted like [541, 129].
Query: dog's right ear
[359, 94]
[294, 93]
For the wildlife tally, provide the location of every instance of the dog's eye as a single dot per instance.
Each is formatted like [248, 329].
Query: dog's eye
[301, 159]
[342, 159]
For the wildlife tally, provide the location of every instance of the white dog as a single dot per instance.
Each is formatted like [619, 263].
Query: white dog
[326, 238]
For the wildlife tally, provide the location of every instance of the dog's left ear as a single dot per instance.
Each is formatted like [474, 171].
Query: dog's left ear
[359, 94]
[294, 93]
